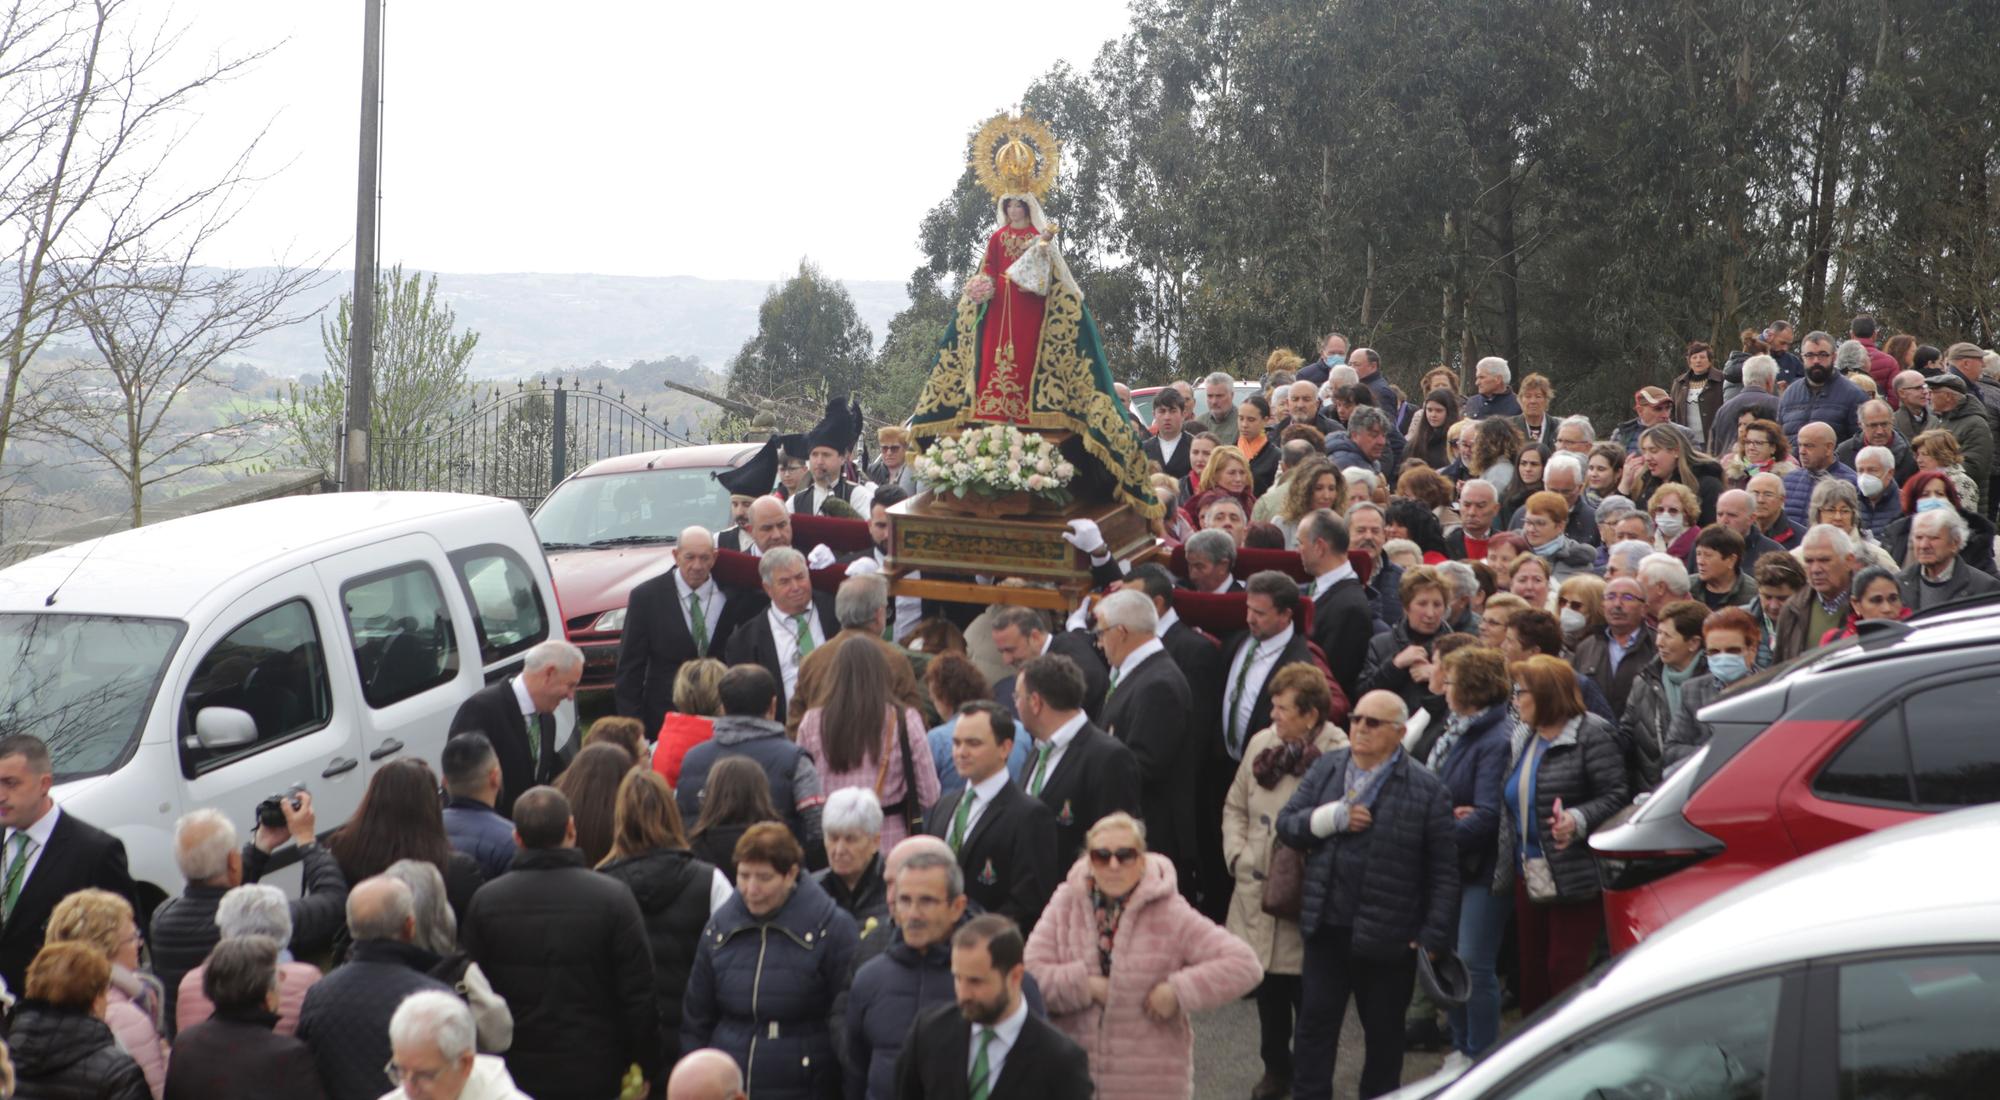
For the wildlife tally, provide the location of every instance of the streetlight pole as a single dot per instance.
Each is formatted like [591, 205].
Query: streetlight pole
[361, 327]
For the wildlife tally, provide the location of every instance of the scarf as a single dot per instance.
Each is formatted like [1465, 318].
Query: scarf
[1283, 759]
[1109, 910]
[1549, 548]
[1672, 681]
[1454, 731]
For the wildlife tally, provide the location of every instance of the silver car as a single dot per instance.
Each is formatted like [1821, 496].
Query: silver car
[1871, 969]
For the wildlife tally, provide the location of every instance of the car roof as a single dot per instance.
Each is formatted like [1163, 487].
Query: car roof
[698, 456]
[167, 569]
[1954, 626]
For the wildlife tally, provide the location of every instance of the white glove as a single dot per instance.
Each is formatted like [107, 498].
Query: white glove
[1329, 819]
[1413, 730]
[861, 566]
[820, 558]
[1080, 618]
[1085, 536]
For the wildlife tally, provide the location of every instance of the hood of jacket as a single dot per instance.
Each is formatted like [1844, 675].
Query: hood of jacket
[658, 878]
[1158, 882]
[46, 1040]
[805, 913]
[734, 729]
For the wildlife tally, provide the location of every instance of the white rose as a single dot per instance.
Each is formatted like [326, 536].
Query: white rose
[1035, 482]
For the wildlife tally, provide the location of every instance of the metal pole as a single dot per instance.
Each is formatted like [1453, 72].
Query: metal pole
[361, 329]
[559, 438]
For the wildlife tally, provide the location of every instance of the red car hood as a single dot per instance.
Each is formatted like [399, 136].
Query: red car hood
[589, 582]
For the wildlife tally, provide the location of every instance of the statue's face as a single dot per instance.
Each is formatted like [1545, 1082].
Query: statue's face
[1017, 212]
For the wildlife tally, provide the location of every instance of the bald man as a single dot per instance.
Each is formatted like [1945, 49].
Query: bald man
[770, 526]
[1735, 510]
[679, 616]
[1767, 508]
[706, 1074]
[1817, 463]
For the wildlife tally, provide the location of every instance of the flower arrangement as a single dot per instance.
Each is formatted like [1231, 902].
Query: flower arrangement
[996, 460]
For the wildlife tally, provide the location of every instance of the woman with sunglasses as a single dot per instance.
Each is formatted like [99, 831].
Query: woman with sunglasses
[1123, 961]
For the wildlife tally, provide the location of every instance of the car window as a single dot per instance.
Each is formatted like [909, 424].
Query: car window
[1920, 1027]
[82, 683]
[402, 635]
[506, 605]
[1953, 753]
[273, 669]
[647, 506]
[1874, 765]
[1711, 1046]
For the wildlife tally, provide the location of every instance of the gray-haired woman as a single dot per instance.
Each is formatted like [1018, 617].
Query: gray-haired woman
[437, 932]
[251, 910]
[236, 1052]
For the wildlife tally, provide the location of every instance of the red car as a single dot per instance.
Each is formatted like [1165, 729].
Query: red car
[613, 524]
[1889, 726]
[1141, 406]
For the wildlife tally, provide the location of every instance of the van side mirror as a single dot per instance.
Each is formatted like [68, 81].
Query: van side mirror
[224, 728]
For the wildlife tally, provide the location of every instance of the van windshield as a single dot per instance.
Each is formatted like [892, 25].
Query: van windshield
[82, 683]
[624, 509]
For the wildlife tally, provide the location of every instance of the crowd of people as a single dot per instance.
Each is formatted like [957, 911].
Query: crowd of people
[852, 843]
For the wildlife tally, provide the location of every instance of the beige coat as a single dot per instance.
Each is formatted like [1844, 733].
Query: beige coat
[1249, 828]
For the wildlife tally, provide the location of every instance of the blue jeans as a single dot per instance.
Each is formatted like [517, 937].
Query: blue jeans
[1482, 921]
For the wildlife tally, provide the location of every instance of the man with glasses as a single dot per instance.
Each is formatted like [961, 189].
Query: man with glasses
[1148, 706]
[1878, 429]
[1381, 882]
[1576, 435]
[1825, 396]
[432, 1035]
[1615, 655]
[1912, 403]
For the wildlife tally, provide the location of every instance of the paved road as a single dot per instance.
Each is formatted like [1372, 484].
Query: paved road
[1226, 1064]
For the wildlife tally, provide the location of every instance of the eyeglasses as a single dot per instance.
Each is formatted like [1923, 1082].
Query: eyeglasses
[1369, 722]
[1519, 691]
[425, 1077]
[1819, 355]
[1623, 597]
[1104, 857]
[892, 448]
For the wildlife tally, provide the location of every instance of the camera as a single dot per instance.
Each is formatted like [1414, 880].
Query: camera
[271, 812]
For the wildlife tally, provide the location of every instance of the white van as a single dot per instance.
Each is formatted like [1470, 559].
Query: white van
[217, 660]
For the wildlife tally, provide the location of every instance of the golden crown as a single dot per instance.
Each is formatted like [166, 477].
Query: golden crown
[1015, 155]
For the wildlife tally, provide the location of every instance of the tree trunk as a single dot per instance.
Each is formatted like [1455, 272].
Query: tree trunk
[1368, 292]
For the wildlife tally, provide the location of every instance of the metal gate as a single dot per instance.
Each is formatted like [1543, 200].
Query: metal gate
[520, 444]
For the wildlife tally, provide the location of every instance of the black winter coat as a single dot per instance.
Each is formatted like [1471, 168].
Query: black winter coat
[1403, 869]
[345, 1018]
[1708, 486]
[567, 948]
[672, 889]
[66, 1054]
[869, 900]
[234, 1055]
[1379, 671]
[763, 991]
[1584, 768]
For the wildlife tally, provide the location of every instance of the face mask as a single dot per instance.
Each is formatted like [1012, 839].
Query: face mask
[1727, 667]
[1572, 620]
[1335, 360]
[1932, 504]
[1870, 486]
[1668, 524]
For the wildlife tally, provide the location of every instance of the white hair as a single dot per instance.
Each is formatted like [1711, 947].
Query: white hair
[1835, 538]
[433, 1017]
[554, 653]
[852, 810]
[255, 909]
[1991, 371]
[1394, 547]
[203, 840]
[780, 558]
[1667, 570]
[1563, 461]
[1761, 372]
[1626, 556]
[1131, 609]
[1947, 518]
[1880, 454]
[1219, 378]
[1495, 366]
[1583, 422]
[1358, 479]
[1464, 582]
[1343, 375]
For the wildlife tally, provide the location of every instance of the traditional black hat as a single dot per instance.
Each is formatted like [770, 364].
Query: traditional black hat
[839, 429]
[795, 446]
[755, 477]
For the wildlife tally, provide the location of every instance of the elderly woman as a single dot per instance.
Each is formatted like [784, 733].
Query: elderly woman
[1501, 607]
[1124, 962]
[1837, 503]
[236, 1054]
[59, 1041]
[1761, 448]
[1938, 449]
[1560, 754]
[1580, 607]
[1730, 639]
[1941, 493]
[1655, 697]
[1502, 549]
[676, 892]
[1665, 455]
[1529, 579]
[251, 910]
[1399, 659]
[102, 920]
[697, 700]
[1273, 762]
[437, 933]
[1471, 759]
[852, 824]
[765, 976]
[1674, 507]
[1545, 517]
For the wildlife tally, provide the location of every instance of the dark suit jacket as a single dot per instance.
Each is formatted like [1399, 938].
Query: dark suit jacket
[1078, 646]
[1097, 775]
[1343, 623]
[1009, 856]
[1176, 466]
[79, 856]
[732, 539]
[1150, 712]
[1235, 585]
[658, 639]
[1264, 468]
[1200, 659]
[1044, 1064]
[493, 711]
[1593, 659]
[751, 642]
[1296, 652]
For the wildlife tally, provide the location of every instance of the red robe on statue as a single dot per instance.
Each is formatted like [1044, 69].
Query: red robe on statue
[1012, 332]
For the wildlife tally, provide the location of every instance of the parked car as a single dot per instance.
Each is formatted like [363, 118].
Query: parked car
[1871, 969]
[218, 659]
[613, 524]
[1875, 731]
[1142, 402]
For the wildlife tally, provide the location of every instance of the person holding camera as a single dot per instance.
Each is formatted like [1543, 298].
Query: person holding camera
[205, 848]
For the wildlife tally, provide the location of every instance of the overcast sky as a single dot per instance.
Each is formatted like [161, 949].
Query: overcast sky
[631, 137]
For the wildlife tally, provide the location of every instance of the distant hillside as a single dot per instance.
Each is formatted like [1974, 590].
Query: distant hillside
[530, 324]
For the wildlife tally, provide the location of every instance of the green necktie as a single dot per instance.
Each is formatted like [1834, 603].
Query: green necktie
[963, 815]
[698, 623]
[534, 723]
[1112, 686]
[980, 1085]
[1043, 752]
[805, 634]
[1235, 697]
[17, 869]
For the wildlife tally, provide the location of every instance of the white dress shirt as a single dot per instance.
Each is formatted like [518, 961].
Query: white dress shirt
[1058, 742]
[38, 837]
[526, 702]
[1005, 1034]
[986, 791]
[786, 634]
[1133, 659]
[1167, 622]
[861, 498]
[711, 597]
[1263, 659]
[1332, 577]
[909, 609]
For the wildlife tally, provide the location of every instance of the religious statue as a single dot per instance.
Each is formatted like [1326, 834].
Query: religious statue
[1022, 348]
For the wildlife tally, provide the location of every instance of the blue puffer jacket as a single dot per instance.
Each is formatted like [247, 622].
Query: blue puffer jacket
[890, 990]
[1475, 775]
[1343, 452]
[1401, 871]
[763, 991]
[1837, 405]
[1799, 486]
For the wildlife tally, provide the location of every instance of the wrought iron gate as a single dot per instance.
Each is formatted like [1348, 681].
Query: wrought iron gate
[520, 444]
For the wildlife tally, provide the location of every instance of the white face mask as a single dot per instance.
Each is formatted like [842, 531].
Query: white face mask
[1668, 524]
[1572, 620]
[1870, 485]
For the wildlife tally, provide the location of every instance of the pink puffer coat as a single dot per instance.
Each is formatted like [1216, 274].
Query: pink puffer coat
[294, 978]
[1160, 938]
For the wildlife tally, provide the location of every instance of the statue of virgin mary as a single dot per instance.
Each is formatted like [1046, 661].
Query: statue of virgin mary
[1022, 348]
